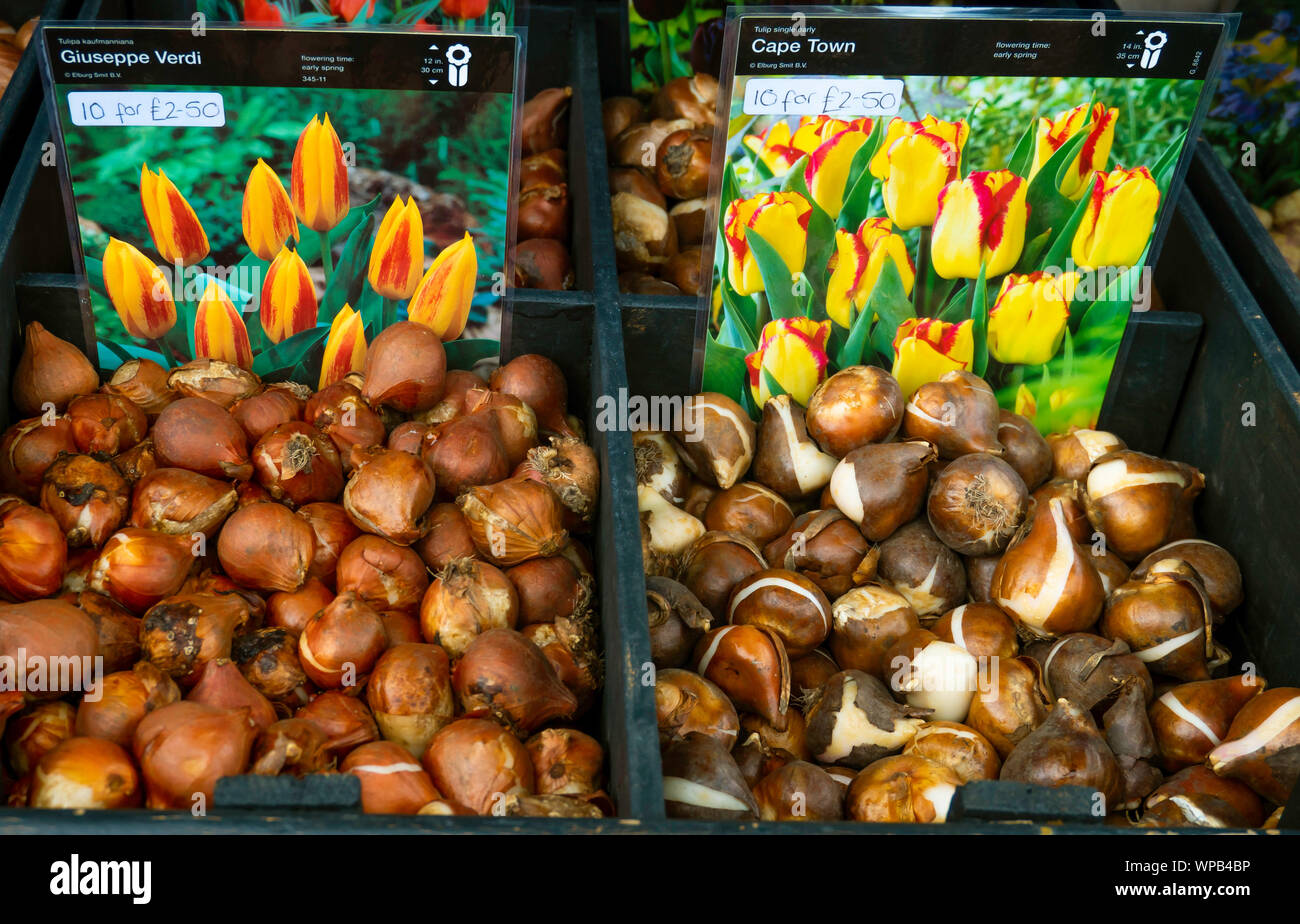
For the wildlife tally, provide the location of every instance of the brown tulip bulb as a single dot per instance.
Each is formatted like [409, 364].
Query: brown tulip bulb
[685, 702]
[619, 113]
[926, 572]
[136, 462]
[787, 460]
[107, 424]
[1140, 502]
[477, 763]
[716, 438]
[126, 698]
[514, 520]
[1070, 496]
[516, 422]
[341, 643]
[788, 603]
[677, 620]
[1192, 719]
[139, 567]
[1261, 744]
[566, 762]
[1088, 670]
[143, 382]
[504, 675]
[87, 497]
[448, 538]
[28, 449]
[410, 694]
[958, 747]
[184, 748]
[658, 465]
[980, 628]
[688, 220]
[339, 412]
[751, 510]
[1215, 565]
[85, 773]
[958, 414]
[755, 760]
[292, 611]
[118, 629]
[50, 632]
[389, 494]
[35, 732]
[333, 530]
[33, 551]
[263, 412]
[401, 628]
[902, 789]
[179, 502]
[933, 674]
[201, 436]
[459, 383]
[568, 467]
[466, 599]
[182, 633]
[714, 564]
[667, 532]
[221, 684]
[265, 547]
[385, 575]
[1110, 567]
[549, 588]
[571, 647]
[853, 721]
[825, 547]
[979, 576]
[854, 407]
[702, 781]
[213, 380]
[1024, 449]
[293, 746]
[406, 368]
[976, 504]
[1011, 706]
[268, 659]
[799, 791]
[865, 624]
[644, 236]
[1044, 582]
[812, 670]
[1074, 453]
[881, 486]
[408, 437]
[792, 740]
[392, 782]
[1167, 621]
[1196, 797]
[1065, 750]
[540, 384]
[50, 371]
[464, 452]
[750, 665]
[345, 719]
[682, 164]
[298, 464]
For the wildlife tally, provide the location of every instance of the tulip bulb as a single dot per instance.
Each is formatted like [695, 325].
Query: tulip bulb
[902, 789]
[1024, 449]
[265, 547]
[28, 449]
[50, 371]
[825, 547]
[865, 624]
[881, 486]
[1261, 744]
[182, 633]
[980, 628]
[1074, 453]
[332, 531]
[514, 520]
[685, 702]
[788, 604]
[750, 665]
[477, 763]
[140, 567]
[201, 436]
[341, 643]
[925, 571]
[406, 368]
[215, 380]
[1012, 706]
[410, 695]
[35, 732]
[504, 675]
[958, 747]
[677, 620]
[1217, 569]
[179, 502]
[293, 746]
[566, 762]
[1192, 719]
[977, 504]
[389, 494]
[126, 697]
[184, 748]
[854, 407]
[1167, 621]
[467, 598]
[658, 466]
[85, 773]
[268, 660]
[346, 721]
[702, 781]
[222, 685]
[1140, 502]
[385, 575]
[853, 721]
[933, 674]
[539, 383]
[799, 791]
[711, 564]
[33, 551]
[1065, 750]
[1197, 798]
[1088, 670]
[787, 460]
[298, 464]
[568, 467]
[958, 414]
[716, 440]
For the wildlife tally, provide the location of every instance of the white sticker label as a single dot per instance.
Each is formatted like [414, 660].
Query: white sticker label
[140, 107]
[839, 97]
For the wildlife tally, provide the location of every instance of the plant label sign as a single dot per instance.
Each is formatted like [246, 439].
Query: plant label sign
[276, 197]
[932, 191]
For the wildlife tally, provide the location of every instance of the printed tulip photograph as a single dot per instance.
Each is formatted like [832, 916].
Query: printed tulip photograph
[997, 225]
[286, 239]
[422, 14]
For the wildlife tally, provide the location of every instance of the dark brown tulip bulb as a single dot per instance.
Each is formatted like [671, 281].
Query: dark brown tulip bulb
[1012, 706]
[902, 789]
[87, 496]
[1215, 565]
[1192, 719]
[799, 791]
[1024, 449]
[865, 624]
[853, 721]
[958, 414]
[677, 620]
[714, 564]
[916, 564]
[787, 603]
[881, 487]
[750, 510]
[976, 504]
[749, 663]
[1066, 750]
[685, 702]
[854, 407]
[716, 439]
[1197, 798]
[825, 547]
[980, 628]
[958, 747]
[1262, 743]
[702, 781]
[787, 460]
[1167, 621]
[1141, 502]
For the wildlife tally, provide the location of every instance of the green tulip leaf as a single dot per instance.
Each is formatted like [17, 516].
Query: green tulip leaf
[350, 268]
[463, 354]
[778, 281]
[1103, 323]
[861, 184]
[1048, 209]
[979, 313]
[773, 386]
[733, 332]
[290, 351]
[1061, 245]
[958, 307]
[725, 372]
[889, 302]
[1163, 169]
[794, 180]
[1022, 156]
[1067, 354]
[309, 243]
[1033, 250]
[850, 353]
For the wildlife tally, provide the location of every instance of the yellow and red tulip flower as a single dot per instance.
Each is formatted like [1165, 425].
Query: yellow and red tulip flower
[856, 265]
[774, 148]
[175, 229]
[955, 133]
[288, 304]
[981, 219]
[1117, 225]
[1028, 318]
[918, 165]
[267, 213]
[1098, 122]
[781, 218]
[319, 181]
[827, 172]
[138, 290]
[1079, 412]
[814, 131]
[1026, 406]
[926, 348]
[345, 347]
[793, 352]
[441, 302]
[397, 256]
[219, 331]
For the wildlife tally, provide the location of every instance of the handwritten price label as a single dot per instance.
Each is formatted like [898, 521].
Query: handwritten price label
[140, 107]
[840, 97]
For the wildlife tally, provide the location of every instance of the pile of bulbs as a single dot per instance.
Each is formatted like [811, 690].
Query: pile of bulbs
[544, 214]
[658, 180]
[379, 578]
[858, 607]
